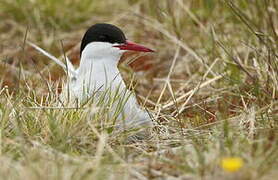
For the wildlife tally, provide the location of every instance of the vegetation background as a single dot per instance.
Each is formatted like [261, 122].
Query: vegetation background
[211, 86]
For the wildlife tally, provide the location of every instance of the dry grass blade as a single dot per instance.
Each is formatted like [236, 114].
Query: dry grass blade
[191, 92]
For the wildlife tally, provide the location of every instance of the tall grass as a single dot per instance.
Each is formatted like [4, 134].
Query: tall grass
[211, 88]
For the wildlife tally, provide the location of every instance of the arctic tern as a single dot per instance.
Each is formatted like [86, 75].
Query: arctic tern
[101, 49]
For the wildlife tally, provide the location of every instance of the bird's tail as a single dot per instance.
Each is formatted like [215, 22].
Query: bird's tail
[68, 67]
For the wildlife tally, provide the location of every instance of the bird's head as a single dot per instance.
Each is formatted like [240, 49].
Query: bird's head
[102, 41]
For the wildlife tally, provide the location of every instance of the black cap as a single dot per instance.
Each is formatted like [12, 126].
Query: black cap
[102, 33]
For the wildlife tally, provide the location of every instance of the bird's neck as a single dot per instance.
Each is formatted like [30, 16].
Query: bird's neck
[97, 72]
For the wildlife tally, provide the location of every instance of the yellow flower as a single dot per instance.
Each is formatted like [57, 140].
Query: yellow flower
[231, 164]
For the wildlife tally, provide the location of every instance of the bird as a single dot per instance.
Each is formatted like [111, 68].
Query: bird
[101, 49]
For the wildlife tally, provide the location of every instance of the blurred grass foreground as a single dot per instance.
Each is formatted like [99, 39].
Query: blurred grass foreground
[212, 86]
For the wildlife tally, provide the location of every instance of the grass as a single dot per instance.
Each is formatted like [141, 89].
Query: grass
[211, 86]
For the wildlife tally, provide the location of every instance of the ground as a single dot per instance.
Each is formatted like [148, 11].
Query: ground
[212, 87]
